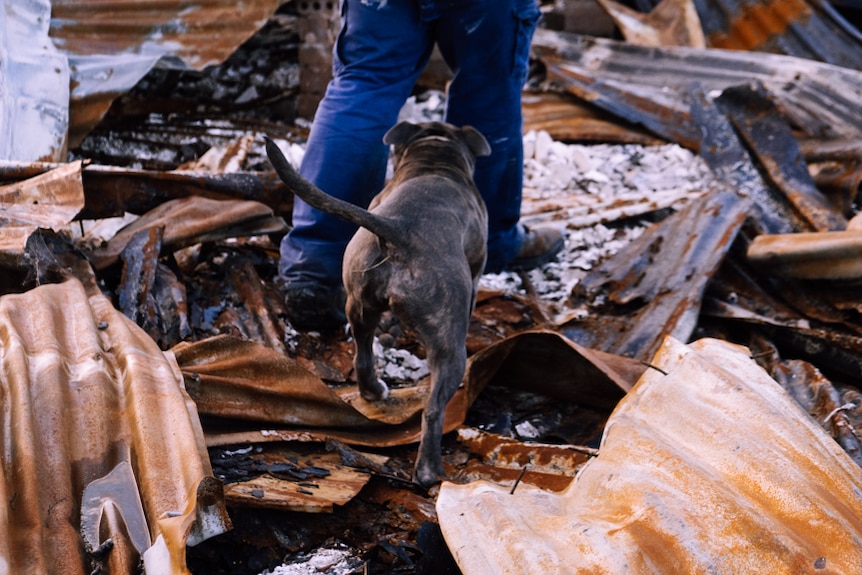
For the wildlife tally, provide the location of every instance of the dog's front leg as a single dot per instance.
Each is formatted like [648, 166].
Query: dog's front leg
[447, 370]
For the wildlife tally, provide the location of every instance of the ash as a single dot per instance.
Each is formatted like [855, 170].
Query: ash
[323, 561]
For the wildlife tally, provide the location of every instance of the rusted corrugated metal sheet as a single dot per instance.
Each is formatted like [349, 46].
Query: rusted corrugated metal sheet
[831, 255]
[650, 86]
[565, 118]
[198, 32]
[241, 380]
[802, 319]
[810, 29]
[112, 45]
[104, 461]
[707, 465]
[653, 287]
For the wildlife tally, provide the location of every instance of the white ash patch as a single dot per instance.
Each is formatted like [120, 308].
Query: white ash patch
[323, 561]
[398, 365]
[599, 195]
[610, 171]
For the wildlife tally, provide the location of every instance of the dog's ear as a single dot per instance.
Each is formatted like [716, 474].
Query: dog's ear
[401, 133]
[476, 141]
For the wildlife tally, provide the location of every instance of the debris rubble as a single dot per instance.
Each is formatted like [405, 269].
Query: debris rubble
[694, 351]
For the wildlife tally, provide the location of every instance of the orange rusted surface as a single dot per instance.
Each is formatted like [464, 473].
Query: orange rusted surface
[100, 440]
[200, 32]
[708, 465]
[756, 23]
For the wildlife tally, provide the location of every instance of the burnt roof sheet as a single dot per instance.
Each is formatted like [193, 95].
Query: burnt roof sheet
[707, 465]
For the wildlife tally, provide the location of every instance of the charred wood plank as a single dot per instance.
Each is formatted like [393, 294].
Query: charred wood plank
[770, 139]
[726, 156]
[140, 259]
[111, 191]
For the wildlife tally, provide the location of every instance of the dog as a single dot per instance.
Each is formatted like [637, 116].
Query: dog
[419, 251]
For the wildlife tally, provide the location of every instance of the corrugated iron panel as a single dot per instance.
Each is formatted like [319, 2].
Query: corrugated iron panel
[829, 255]
[198, 32]
[100, 441]
[707, 466]
[810, 29]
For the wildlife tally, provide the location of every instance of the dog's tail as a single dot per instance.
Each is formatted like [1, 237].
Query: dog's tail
[317, 198]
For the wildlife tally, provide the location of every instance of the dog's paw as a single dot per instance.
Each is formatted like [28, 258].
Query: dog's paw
[375, 390]
[427, 476]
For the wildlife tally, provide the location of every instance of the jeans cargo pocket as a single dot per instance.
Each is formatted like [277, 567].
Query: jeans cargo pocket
[526, 14]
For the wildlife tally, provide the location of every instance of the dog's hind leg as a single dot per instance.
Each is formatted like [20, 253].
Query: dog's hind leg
[447, 365]
[364, 323]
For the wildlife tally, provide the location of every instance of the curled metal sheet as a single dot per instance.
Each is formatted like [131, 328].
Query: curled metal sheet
[112, 45]
[89, 397]
[187, 221]
[707, 465]
[243, 381]
[50, 200]
[828, 255]
[669, 23]
[649, 85]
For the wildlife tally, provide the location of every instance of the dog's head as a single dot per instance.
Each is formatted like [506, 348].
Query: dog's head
[406, 135]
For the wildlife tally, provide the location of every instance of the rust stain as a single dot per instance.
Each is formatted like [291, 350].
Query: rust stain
[707, 464]
[759, 22]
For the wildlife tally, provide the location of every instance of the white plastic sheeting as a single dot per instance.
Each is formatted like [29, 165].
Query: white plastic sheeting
[34, 84]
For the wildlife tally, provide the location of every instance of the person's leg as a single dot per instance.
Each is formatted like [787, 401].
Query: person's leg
[382, 48]
[487, 45]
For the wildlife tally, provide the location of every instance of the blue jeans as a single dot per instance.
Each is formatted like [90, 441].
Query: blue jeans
[381, 50]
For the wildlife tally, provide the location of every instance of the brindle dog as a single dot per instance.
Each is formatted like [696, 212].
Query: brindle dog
[419, 252]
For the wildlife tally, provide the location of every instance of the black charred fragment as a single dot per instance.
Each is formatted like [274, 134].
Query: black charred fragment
[771, 140]
[725, 155]
[259, 317]
[140, 259]
[171, 307]
[146, 290]
[109, 192]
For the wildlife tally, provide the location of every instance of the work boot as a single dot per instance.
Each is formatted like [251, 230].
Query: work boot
[317, 308]
[540, 246]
